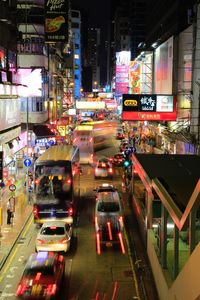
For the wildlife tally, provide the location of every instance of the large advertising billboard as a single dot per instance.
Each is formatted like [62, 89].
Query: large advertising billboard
[149, 107]
[134, 77]
[9, 113]
[122, 72]
[164, 67]
[56, 21]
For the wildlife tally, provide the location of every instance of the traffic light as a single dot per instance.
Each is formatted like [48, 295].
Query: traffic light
[127, 163]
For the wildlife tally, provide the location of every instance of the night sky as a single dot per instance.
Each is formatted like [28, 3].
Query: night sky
[98, 11]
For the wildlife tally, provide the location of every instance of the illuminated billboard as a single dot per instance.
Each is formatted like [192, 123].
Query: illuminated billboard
[122, 72]
[9, 113]
[164, 67]
[149, 107]
[90, 105]
[56, 21]
[134, 77]
[32, 79]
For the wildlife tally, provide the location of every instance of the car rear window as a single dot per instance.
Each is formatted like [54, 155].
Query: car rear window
[118, 156]
[44, 270]
[108, 207]
[54, 230]
[105, 190]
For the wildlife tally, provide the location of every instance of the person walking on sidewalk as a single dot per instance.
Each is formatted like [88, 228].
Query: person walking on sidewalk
[10, 209]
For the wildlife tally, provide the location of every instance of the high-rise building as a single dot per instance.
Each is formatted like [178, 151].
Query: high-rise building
[76, 32]
[93, 55]
[10, 121]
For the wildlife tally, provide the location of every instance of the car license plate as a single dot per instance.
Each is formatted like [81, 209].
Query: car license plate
[51, 242]
[36, 289]
[108, 244]
[103, 174]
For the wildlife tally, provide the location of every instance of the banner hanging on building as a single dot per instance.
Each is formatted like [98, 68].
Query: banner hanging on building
[149, 107]
[134, 77]
[56, 21]
[122, 72]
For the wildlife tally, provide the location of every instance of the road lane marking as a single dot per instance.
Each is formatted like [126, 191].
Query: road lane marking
[15, 251]
[132, 267]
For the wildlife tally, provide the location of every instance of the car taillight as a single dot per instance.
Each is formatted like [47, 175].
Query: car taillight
[51, 289]
[70, 211]
[35, 211]
[38, 275]
[64, 241]
[39, 241]
[19, 290]
[121, 221]
[110, 170]
[68, 181]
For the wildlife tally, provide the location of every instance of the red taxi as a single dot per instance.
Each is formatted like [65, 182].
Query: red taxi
[42, 277]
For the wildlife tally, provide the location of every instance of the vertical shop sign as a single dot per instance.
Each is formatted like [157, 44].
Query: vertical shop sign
[56, 21]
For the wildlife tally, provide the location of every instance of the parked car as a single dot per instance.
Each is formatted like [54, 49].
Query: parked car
[120, 135]
[54, 236]
[105, 187]
[118, 159]
[103, 169]
[42, 277]
[123, 145]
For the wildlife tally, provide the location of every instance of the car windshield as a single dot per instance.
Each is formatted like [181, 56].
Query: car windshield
[53, 230]
[55, 186]
[106, 190]
[44, 270]
[108, 207]
[103, 164]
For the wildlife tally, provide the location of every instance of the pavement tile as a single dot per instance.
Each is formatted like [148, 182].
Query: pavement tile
[10, 233]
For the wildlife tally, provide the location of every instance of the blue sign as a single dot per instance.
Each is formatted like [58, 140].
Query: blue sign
[27, 162]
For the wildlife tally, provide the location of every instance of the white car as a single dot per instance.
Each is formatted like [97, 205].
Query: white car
[54, 236]
[108, 209]
[103, 169]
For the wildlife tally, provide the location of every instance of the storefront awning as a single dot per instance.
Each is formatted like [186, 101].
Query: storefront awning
[42, 131]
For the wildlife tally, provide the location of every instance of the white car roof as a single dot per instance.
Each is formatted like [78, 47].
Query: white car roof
[54, 223]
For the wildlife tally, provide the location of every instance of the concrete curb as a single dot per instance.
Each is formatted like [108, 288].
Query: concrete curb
[2, 263]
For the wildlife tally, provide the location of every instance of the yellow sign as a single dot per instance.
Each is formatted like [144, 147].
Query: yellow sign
[130, 102]
[62, 130]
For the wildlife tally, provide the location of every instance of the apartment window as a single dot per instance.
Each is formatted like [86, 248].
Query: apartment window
[75, 14]
[75, 25]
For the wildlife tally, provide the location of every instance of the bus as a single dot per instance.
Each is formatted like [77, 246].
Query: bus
[56, 184]
[92, 136]
[83, 139]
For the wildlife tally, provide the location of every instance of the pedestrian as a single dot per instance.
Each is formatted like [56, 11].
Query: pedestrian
[9, 211]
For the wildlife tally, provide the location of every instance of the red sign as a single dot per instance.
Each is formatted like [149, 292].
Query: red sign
[148, 116]
[149, 107]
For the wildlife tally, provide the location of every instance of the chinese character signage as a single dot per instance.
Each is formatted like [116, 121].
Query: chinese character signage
[56, 21]
[149, 107]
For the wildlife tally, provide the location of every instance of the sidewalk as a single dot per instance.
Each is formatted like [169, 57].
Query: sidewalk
[10, 233]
